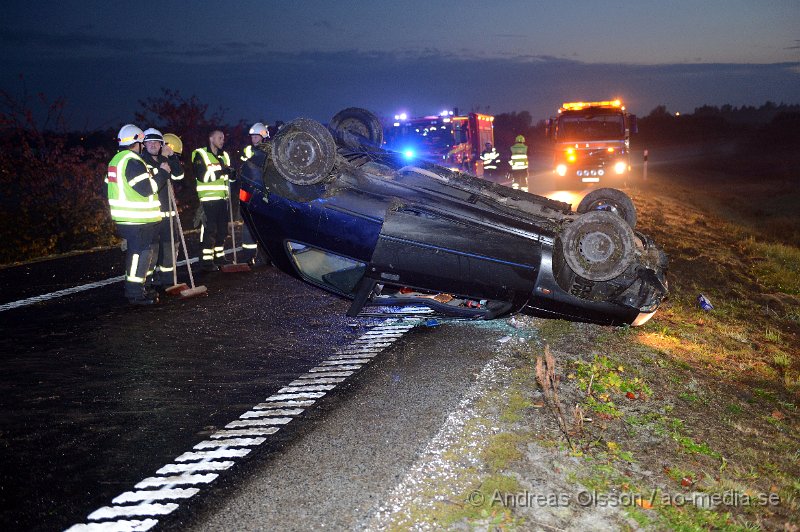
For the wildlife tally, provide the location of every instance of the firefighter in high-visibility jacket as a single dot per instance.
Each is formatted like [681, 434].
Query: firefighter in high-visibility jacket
[136, 211]
[519, 164]
[212, 170]
[490, 159]
[258, 134]
[156, 152]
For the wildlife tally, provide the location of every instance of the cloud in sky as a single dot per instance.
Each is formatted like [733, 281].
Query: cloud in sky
[103, 79]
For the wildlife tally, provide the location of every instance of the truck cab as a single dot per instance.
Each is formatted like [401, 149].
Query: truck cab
[447, 139]
[591, 141]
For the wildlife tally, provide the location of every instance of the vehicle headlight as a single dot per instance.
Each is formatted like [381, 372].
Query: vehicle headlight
[561, 169]
[620, 167]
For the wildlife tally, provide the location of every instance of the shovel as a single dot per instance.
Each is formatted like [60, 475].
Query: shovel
[194, 290]
[235, 267]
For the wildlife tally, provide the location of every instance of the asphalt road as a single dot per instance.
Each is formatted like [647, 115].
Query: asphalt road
[96, 396]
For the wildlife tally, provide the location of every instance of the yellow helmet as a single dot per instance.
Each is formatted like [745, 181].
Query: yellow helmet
[520, 138]
[174, 142]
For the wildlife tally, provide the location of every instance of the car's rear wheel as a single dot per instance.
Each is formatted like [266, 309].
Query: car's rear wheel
[357, 128]
[598, 245]
[304, 152]
[612, 200]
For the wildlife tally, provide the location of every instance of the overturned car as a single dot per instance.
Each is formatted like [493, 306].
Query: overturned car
[333, 208]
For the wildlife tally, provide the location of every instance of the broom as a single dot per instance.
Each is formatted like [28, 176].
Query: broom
[194, 290]
[176, 288]
[235, 267]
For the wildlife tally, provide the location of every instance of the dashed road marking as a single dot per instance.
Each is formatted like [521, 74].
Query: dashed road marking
[210, 457]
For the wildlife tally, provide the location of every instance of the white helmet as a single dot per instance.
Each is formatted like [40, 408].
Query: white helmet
[153, 134]
[129, 134]
[259, 129]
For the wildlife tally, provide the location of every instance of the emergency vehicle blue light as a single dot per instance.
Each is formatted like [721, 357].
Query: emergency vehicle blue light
[408, 154]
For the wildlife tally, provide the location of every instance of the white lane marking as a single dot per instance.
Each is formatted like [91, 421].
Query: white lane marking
[198, 466]
[272, 412]
[82, 288]
[115, 526]
[265, 431]
[232, 441]
[175, 480]
[314, 380]
[280, 404]
[263, 422]
[211, 455]
[110, 512]
[155, 495]
[283, 396]
[344, 362]
[323, 369]
[308, 388]
[353, 357]
[328, 374]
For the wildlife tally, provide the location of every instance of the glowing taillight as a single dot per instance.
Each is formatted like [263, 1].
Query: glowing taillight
[244, 195]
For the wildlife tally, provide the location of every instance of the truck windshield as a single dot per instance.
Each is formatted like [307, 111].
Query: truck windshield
[590, 127]
[430, 139]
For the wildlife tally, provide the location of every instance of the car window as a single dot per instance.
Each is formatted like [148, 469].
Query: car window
[333, 271]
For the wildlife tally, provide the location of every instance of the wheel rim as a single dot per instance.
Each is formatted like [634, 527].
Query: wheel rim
[304, 152]
[598, 245]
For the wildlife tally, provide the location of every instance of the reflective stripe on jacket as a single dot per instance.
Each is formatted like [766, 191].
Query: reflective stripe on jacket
[247, 152]
[213, 183]
[489, 159]
[128, 205]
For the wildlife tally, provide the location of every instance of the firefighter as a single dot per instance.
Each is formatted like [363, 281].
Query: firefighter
[519, 164]
[133, 200]
[258, 134]
[212, 170]
[490, 159]
[157, 152]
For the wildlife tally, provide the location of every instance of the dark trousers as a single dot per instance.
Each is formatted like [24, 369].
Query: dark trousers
[214, 231]
[249, 246]
[165, 261]
[142, 240]
[520, 178]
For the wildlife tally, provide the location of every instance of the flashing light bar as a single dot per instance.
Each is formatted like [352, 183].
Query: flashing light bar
[578, 106]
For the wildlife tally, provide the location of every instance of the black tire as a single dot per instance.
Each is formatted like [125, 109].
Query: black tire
[612, 200]
[598, 245]
[357, 128]
[304, 152]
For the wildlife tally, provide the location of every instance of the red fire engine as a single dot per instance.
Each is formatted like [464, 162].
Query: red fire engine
[592, 140]
[448, 138]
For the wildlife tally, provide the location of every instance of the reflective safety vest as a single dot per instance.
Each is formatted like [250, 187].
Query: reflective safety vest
[519, 156]
[127, 205]
[214, 184]
[247, 152]
[489, 159]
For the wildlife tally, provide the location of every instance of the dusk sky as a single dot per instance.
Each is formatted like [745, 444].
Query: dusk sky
[270, 60]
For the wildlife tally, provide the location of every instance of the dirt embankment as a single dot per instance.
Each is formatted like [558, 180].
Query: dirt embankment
[690, 422]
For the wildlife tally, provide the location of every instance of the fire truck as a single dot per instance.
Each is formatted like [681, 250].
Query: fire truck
[592, 140]
[449, 139]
